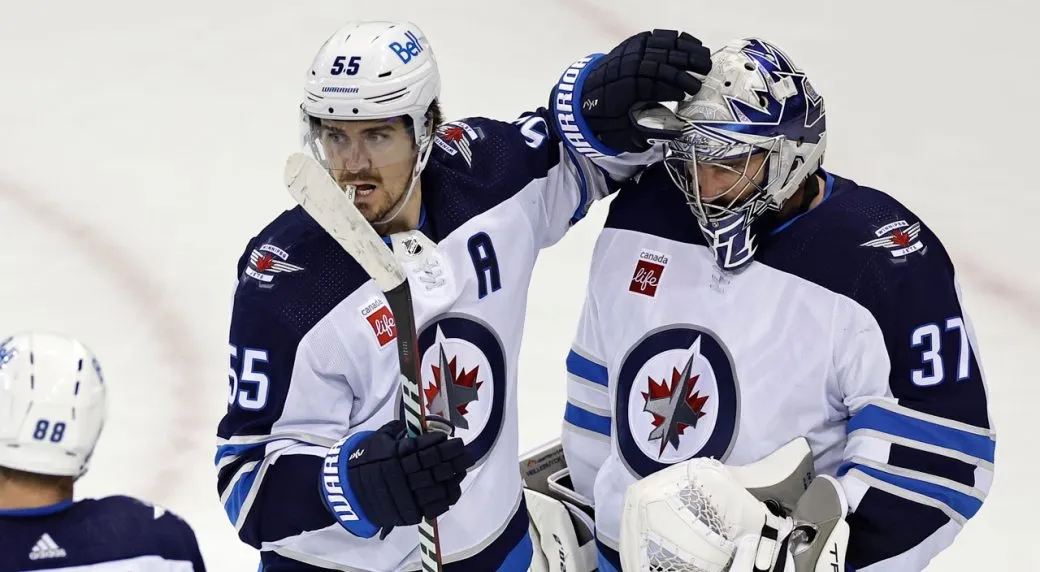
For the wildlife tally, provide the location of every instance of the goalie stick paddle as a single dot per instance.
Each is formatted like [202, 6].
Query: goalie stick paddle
[312, 187]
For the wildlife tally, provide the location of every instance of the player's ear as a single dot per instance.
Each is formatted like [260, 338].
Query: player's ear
[434, 117]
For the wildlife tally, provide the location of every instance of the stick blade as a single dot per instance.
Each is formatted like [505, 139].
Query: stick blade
[312, 187]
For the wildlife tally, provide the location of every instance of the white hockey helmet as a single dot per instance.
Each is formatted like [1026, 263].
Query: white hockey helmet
[52, 404]
[372, 70]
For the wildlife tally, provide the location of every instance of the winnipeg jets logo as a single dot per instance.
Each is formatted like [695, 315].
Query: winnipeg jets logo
[675, 406]
[676, 399]
[267, 261]
[464, 379]
[899, 237]
[453, 387]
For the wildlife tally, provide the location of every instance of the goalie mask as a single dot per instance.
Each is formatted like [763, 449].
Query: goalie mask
[751, 136]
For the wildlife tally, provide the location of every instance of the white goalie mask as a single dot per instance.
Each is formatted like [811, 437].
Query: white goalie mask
[52, 404]
[758, 118]
[370, 71]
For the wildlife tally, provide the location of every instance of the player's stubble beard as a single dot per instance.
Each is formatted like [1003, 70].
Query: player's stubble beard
[376, 205]
[382, 203]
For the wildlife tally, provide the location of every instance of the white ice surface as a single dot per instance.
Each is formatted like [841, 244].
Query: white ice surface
[142, 143]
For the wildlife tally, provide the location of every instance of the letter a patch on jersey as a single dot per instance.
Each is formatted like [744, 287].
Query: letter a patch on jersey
[381, 319]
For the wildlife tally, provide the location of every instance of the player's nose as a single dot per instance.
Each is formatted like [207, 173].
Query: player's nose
[356, 159]
[711, 183]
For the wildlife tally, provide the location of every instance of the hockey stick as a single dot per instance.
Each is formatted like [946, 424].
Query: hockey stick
[312, 187]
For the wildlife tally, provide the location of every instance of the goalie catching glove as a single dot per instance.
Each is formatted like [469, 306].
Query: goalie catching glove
[699, 516]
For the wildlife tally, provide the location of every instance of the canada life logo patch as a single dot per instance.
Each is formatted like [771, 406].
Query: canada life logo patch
[378, 315]
[647, 275]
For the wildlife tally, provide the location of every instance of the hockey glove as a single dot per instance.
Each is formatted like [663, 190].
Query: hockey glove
[395, 480]
[647, 68]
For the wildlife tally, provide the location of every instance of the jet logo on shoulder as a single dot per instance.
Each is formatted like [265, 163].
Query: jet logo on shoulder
[267, 261]
[900, 238]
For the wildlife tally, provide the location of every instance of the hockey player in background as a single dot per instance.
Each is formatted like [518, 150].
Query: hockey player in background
[52, 408]
[762, 300]
[314, 467]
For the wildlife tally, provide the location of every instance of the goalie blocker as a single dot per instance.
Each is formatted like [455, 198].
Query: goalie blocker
[771, 515]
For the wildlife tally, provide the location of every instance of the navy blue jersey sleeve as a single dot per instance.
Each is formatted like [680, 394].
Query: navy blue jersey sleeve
[919, 459]
[310, 362]
[546, 160]
[524, 162]
[267, 494]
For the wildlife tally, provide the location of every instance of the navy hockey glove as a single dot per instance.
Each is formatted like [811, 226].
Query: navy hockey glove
[392, 479]
[647, 68]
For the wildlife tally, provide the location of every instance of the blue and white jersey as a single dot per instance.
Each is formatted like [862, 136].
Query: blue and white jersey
[112, 534]
[847, 329]
[313, 348]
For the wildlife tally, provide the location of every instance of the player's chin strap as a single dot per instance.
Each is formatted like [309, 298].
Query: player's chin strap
[425, 148]
[703, 516]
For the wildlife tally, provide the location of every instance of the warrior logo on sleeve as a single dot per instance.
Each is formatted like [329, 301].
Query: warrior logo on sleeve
[677, 397]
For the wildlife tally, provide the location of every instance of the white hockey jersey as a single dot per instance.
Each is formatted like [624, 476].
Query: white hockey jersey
[847, 329]
[313, 348]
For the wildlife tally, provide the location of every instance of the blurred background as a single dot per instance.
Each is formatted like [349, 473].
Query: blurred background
[142, 144]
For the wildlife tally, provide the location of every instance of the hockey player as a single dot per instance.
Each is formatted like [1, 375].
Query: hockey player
[314, 467]
[52, 408]
[763, 300]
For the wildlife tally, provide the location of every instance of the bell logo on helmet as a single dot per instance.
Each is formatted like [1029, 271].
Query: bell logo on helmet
[410, 49]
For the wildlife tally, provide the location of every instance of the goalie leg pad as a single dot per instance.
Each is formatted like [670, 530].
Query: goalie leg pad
[564, 532]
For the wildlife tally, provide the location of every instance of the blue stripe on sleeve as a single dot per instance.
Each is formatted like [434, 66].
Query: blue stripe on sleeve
[236, 450]
[583, 199]
[586, 419]
[886, 421]
[586, 369]
[965, 505]
[239, 491]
